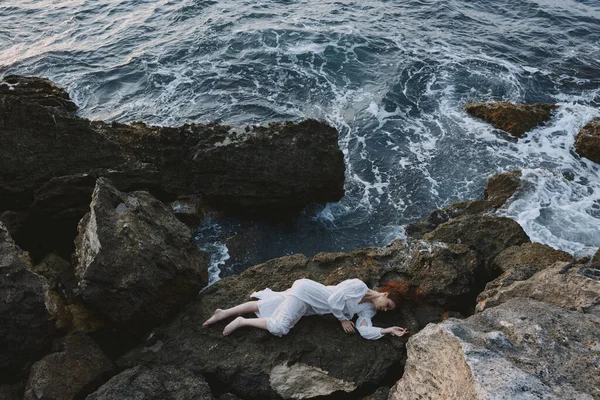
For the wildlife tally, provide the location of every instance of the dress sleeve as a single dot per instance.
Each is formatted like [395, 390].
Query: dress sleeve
[349, 291]
[368, 331]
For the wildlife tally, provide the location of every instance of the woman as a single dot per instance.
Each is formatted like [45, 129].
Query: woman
[278, 312]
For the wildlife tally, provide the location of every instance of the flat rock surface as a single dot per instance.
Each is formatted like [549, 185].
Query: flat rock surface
[522, 349]
[137, 263]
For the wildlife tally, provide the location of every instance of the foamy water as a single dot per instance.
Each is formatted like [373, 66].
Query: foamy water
[392, 77]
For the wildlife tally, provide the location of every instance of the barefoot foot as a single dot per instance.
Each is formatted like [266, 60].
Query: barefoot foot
[232, 326]
[217, 316]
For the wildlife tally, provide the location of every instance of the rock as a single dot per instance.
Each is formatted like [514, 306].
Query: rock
[499, 189]
[154, 383]
[51, 268]
[487, 236]
[137, 264]
[190, 210]
[522, 349]
[26, 326]
[284, 165]
[587, 143]
[596, 258]
[573, 287]
[519, 263]
[516, 119]
[381, 393]
[316, 358]
[68, 373]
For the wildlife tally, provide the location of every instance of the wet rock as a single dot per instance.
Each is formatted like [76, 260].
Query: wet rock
[519, 263]
[154, 383]
[499, 189]
[516, 119]
[487, 236]
[596, 258]
[571, 286]
[137, 264]
[190, 210]
[26, 326]
[284, 165]
[587, 143]
[520, 349]
[68, 373]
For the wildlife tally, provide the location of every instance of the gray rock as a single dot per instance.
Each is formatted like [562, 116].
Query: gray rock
[522, 349]
[573, 287]
[137, 264]
[65, 374]
[163, 382]
[26, 326]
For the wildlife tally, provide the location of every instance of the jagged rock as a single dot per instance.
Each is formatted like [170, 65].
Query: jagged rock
[73, 317]
[518, 263]
[68, 373]
[487, 236]
[522, 349]
[26, 326]
[283, 165]
[574, 287]
[380, 394]
[154, 383]
[516, 119]
[51, 268]
[596, 258]
[499, 189]
[137, 264]
[587, 143]
[255, 364]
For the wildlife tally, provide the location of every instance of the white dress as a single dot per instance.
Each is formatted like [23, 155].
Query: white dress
[283, 310]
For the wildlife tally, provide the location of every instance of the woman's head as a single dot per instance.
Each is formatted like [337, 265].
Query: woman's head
[383, 302]
[398, 292]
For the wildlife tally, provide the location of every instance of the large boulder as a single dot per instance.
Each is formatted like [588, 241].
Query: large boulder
[26, 325]
[516, 119]
[499, 189]
[571, 286]
[519, 263]
[68, 373]
[587, 143]
[164, 382]
[486, 235]
[136, 263]
[522, 349]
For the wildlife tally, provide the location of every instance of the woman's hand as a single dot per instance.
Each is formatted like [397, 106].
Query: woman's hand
[348, 326]
[395, 331]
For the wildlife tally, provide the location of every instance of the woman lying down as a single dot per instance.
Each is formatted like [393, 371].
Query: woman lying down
[278, 312]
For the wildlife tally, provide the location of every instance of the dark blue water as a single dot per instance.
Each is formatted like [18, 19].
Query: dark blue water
[391, 76]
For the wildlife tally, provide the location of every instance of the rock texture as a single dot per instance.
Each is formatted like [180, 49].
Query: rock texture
[26, 326]
[66, 374]
[522, 349]
[499, 189]
[50, 160]
[516, 119]
[573, 287]
[155, 383]
[137, 264]
[254, 364]
[587, 143]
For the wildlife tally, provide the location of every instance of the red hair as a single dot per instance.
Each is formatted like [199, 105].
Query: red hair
[402, 291]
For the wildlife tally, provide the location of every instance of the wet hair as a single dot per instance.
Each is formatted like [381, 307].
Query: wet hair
[402, 291]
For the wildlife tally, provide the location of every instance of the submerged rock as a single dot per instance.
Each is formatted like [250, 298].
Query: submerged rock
[136, 263]
[516, 119]
[65, 374]
[26, 326]
[522, 349]
[587, 143]
[154, 383]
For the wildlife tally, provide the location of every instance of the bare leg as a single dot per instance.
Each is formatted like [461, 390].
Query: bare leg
[248, 307]
[260, 323]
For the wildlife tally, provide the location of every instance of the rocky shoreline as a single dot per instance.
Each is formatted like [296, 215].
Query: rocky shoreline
[100, 279]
